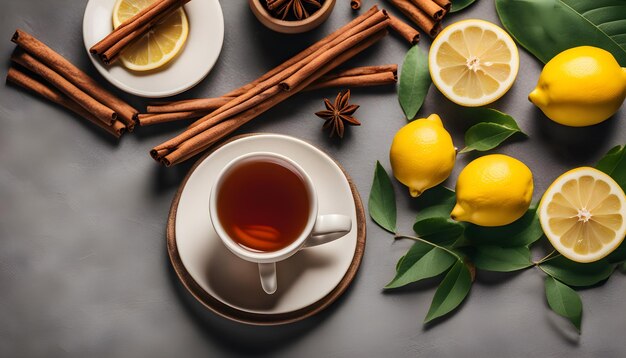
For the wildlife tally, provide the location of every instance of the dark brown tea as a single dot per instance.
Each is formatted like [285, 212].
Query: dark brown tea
[263, 204]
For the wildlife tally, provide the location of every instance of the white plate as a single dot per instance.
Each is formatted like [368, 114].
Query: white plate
[304, 278]
[203, 47]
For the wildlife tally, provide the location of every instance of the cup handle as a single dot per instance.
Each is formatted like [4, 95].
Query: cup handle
[328, 228]
[267, 272]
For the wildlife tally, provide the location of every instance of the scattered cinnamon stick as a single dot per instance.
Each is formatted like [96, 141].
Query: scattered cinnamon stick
[430, 8]
[419, 17]
[100, 111]
[355, 4]
[109, 48]
[201, 104]
[148, 119]
[23, 80]
[367, 76]
[405, 30]
[358, 77]
[298, 71]
[361, 33]
[374, 79]
[445, 4]
[80, 79]
[206, 139]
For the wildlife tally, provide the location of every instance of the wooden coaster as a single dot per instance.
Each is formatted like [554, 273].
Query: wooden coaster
[231, 313]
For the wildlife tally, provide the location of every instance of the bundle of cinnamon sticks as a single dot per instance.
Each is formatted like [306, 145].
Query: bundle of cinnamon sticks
[50, 75]
[195, 108]
[294, 75]
[110, 47]
[426, 14]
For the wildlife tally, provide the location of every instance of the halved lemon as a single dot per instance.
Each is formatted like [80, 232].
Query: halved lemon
[583, 214]
[473, 62]
[160, 45]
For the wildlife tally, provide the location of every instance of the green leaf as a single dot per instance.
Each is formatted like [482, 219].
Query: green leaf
[548, 27]
[451, 292]
[414, 82]
[492, 116]
[458, 5]
[563, 300]
[435, 202]
[486, 136]
[494, 128]
[501, 259]
[420, 262]
[382, 200]
[416, 251]
[523, 232]
[614, 164]
[577, 274]
[439, 230]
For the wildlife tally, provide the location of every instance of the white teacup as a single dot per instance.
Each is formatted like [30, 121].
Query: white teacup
[319, 229]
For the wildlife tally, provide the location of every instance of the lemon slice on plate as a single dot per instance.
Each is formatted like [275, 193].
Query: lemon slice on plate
[160, 45]
[583, 214]
[473, 62]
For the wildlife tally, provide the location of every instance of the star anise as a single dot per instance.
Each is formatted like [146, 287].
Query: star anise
[339, 114]
[299, 8]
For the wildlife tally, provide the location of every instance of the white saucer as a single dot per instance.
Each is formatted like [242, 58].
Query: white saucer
[203, 47]
[307, 277]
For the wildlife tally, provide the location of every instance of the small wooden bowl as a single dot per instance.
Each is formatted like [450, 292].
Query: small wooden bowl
[291, 27]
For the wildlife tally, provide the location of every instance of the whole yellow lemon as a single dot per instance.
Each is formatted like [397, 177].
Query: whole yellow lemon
[580, 87]
[422, 154]
[493, 190]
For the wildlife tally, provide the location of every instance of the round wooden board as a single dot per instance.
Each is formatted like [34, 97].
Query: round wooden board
[255, 318]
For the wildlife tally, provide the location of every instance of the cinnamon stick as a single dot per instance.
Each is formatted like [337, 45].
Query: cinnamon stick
[148, 119]
[100, 111]
[369, 80]
[431, 8]
[405, 30]
[202, 104]
[345, 40]
[420, 18]
[80, 79]
[205, 139]
[109, 48]
[23, 80]
[356, 71]
[355, 4]
[445, 4]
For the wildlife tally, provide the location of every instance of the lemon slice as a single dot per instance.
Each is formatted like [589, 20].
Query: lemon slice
[583, 214]
[473, 62]
[159, 45]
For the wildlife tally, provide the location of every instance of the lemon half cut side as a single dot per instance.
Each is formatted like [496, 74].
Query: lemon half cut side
[157, 47]
[473, 62]
[583, 214]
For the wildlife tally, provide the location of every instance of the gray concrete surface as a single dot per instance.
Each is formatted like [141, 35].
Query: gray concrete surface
[83, 265]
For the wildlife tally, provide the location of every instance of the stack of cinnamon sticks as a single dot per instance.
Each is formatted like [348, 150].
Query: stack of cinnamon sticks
[427, 14]
[367, 76]
[50, 75]
[110, 47]
[294, 75]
